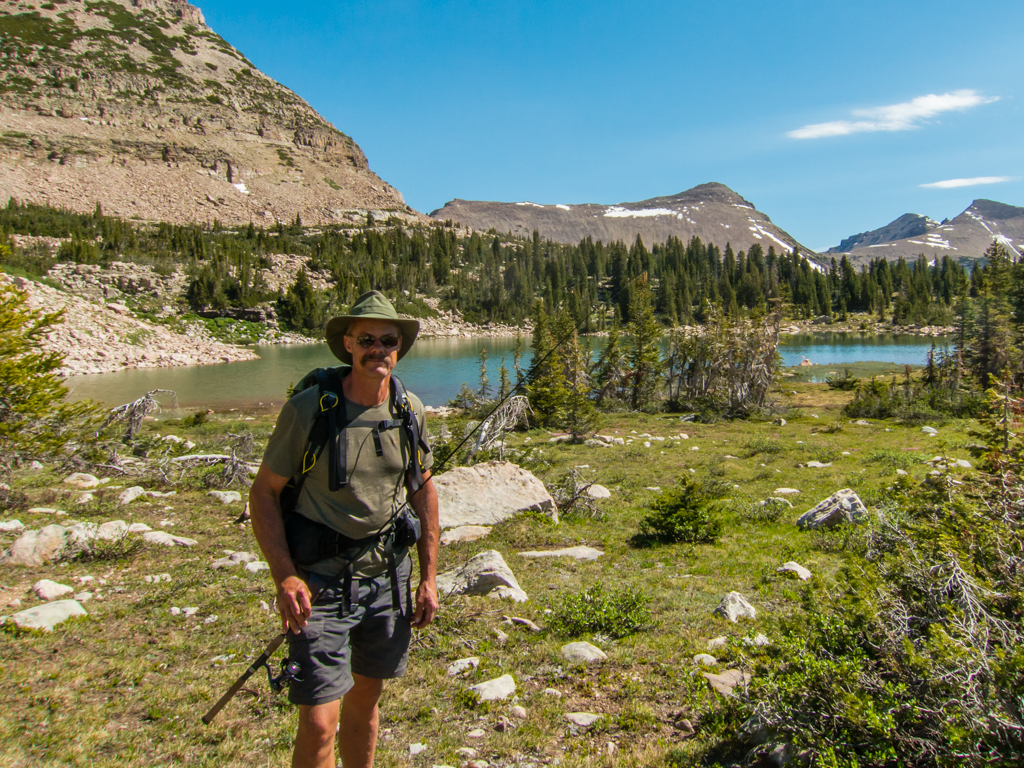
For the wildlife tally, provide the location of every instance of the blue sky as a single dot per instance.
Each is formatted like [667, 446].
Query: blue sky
[829, 116]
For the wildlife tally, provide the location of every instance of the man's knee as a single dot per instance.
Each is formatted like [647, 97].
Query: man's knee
[318, 724]
[364, 693]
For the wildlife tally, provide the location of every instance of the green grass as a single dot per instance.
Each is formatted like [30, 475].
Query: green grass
[126, 685]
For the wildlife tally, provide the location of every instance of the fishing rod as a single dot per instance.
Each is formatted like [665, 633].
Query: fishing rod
[289, 669]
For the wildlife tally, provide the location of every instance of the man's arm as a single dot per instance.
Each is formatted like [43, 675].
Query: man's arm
[294, 601]
[424, 503]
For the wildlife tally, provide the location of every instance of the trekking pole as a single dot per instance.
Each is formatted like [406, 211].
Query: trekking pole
[521, 382]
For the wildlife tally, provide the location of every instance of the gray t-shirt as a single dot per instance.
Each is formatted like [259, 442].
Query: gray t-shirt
[376, 484]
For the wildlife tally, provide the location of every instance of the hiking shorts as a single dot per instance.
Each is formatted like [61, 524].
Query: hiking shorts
[367, 636]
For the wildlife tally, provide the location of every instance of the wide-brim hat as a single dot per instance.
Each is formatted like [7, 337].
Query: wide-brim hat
[373, 305]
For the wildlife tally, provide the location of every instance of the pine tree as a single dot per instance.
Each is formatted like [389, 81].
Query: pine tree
[546, 388]
[517, 356]
[504, 385]
[645, 363]
[608, 371]
[581, 417]
[484, 390]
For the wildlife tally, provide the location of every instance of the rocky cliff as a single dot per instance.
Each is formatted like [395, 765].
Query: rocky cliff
[140, 106]
[712, 212]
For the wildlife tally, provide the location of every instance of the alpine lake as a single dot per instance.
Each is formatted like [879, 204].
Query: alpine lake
[436, 368]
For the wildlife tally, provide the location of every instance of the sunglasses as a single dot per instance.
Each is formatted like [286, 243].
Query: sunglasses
[366, 341]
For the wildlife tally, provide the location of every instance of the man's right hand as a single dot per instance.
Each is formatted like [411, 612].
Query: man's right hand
[294, 602]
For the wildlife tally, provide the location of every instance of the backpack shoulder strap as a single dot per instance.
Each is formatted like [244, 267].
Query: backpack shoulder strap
[417, 445]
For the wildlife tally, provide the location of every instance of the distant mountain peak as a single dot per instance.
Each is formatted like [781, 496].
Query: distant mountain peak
[713, 212]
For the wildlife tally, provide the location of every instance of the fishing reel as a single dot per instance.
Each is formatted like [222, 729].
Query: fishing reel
[290, 671]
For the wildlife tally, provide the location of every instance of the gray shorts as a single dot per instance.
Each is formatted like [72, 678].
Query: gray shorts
[370, 639]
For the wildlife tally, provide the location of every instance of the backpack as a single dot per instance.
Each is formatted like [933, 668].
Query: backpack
[310, 541]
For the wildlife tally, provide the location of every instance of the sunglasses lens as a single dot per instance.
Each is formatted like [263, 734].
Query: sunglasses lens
[366, 341]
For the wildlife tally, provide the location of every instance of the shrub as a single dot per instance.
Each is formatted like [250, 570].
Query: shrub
[762, 445]
[894, 459]
[683, 514]
[843, 382]
[616, 614]
[767, 511]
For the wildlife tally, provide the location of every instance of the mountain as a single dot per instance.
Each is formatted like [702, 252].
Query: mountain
[712, 212]
[140, 106]
[965, 238]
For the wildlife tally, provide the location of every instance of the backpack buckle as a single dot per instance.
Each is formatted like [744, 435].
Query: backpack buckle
[332, 401]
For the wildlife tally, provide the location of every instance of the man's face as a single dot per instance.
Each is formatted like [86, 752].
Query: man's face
[375, 361]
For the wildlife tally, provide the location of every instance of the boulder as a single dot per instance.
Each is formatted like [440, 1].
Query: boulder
[795, 569]
[226, 497]
[50, 590]
[596, 491]
[484, 574]
[786, 492]
[464, 533]
[235, 558]
[495, 690]
[256, 566]
[583, 719]
[47, 616]
[82, 480]
[576, 553]
[582, 653]
[817, 464]
[929, 430]
[705, 660]
[167, 540]
[128, 495]
[138, 528]
[462, 666]
[717, 643]
[726, 681]
[488, 493]
[733, 606]
[841, 507]
[38, 547]
[6, 526]
[114, 529]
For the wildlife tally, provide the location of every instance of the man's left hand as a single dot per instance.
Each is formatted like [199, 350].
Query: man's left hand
[426, 604]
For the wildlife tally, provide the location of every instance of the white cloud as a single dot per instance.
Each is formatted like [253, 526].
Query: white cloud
[953, 183]
[895, 117]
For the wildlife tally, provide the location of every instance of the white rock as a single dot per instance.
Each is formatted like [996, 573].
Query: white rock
[175, 610]
[190, 611]
[518, 711]
[257, 566]
[167, 540]
[10, 525]
[817, 465]
[460, 666]
[83, 597]
[156, 578]
[211, 619]
[114, 529]
[733, 606]
[576, 553]
[464, 533]
[488, 493]
[553, 692]
[786, 491]
[776, 500]
[705, 660]
[50, 590]
[416, 749]
[82, 480]
[138, 528]
[582, 652]
[796, 569]
[929, 430]
[226, 497]
[48, 616]
[598, 492]
[86, 497]
[476, 733]
[467, 752]
[38, 547]
[496, 689]
[717, 643]
[583, 719]
[35, 465]
[843, 506]
[42, 511]
[902, 472]
[963, 463]
[128, 495]
[482, 575]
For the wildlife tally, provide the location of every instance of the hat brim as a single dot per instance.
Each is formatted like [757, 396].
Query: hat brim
[338, 326]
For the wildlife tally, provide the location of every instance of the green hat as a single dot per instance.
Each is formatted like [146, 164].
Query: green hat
[370, 306]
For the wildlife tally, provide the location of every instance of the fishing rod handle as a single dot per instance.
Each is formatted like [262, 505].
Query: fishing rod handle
[243, 678]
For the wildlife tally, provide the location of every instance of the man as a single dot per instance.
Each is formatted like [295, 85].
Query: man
[355, 636]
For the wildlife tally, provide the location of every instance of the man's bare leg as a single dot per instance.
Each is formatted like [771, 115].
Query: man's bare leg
[357, 738]
[314, 742]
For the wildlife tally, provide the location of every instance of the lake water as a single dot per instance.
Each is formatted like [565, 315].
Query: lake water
[434, 369]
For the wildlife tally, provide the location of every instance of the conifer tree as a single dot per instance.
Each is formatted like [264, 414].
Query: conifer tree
[608, 371]
[484, 390]
[546, 389]
[644, 356]
[504, 385]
